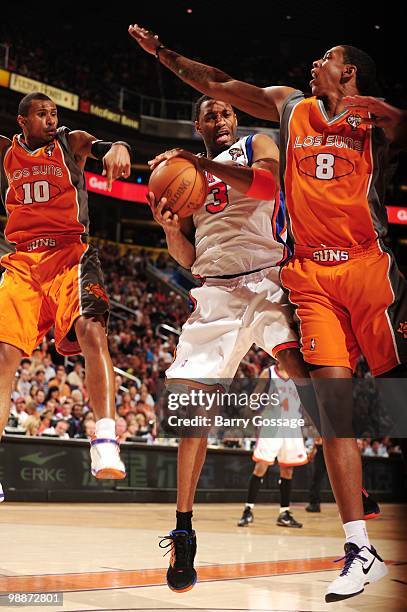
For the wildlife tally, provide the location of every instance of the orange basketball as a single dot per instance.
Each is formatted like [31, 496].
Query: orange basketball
[184, 185]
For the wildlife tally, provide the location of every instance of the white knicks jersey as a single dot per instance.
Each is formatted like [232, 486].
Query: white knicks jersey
[290, 404]
[235, 234]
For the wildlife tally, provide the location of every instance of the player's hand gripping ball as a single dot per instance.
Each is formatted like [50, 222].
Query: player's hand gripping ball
[182, 183]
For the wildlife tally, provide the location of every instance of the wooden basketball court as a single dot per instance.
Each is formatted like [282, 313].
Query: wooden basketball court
[106, 557]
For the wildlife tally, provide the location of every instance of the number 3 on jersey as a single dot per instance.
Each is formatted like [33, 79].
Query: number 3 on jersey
[219, 195]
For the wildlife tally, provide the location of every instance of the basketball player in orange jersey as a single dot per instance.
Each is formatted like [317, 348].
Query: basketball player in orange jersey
[54, 278]
[349, 295]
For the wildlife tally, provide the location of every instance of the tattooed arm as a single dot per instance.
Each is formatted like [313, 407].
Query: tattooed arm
[262, 102]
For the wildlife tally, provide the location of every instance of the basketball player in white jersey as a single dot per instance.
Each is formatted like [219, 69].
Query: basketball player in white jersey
[235, 243]
[290, 452]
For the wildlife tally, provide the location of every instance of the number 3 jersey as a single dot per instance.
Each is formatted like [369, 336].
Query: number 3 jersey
[332, 175]
[45, 191]
[235, 234]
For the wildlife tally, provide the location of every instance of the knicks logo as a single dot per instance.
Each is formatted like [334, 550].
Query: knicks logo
[97, 291]
[403, 330]
[325, 166]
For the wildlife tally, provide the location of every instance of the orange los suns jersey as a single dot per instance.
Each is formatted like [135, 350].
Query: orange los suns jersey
[44, 191]
[332, 175]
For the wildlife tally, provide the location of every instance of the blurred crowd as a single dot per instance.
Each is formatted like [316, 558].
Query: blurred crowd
[100, 76]
[50, 396]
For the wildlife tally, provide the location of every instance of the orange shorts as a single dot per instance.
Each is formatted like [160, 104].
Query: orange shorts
[347, 308]
[50, 286]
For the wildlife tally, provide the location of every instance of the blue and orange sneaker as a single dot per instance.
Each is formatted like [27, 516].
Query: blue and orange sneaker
[181, 574]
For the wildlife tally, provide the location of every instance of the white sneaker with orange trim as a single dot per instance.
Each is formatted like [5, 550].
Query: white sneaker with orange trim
[105, 459]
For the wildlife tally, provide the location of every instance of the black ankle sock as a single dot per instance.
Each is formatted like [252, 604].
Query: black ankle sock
[255, 483]
[184, 521]
[285, 492]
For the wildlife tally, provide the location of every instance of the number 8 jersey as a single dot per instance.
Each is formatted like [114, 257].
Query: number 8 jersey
[332, 175]
[236, 234]
[45, 191]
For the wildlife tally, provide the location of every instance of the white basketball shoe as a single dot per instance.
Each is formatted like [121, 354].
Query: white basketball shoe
[1, 493]
[362, 566]
[105, 459]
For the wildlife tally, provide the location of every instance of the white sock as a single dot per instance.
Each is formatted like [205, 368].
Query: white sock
[284, 509]
[106, 428]
[355, 532]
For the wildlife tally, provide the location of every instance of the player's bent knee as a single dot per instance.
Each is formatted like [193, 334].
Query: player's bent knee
[91, 333]
[293, 363]
[260, 469]
[9, 357]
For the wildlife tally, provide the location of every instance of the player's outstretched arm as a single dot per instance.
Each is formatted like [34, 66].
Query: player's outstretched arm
[114, 155]
[179, 233]
[258, 185]
[262, 102]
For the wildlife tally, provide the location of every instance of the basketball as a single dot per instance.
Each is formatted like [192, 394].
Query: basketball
[184, 185]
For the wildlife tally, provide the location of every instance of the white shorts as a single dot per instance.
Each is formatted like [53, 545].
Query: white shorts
[229, 316]
[288, 451]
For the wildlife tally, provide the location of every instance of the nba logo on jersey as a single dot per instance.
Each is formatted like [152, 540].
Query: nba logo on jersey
[354, 121]
[49, 149]
[235, 153]
[312, 344]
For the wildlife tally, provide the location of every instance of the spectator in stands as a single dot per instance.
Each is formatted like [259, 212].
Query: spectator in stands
[377, 449]
[53, 405]
[89, 429]
[53, 394]
[121, 429]
[77, 376]
[23, 385]
[145, 396]
[19, 411]
[45, 421]
[60, 382]
[60, 430]
[39, 399]
[126, 405]
[32, 426]
[75, 421]
[48, 368]
[39, 380]
[146, 429]
[77, 396]
[65, 413]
